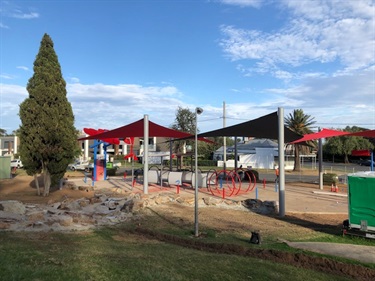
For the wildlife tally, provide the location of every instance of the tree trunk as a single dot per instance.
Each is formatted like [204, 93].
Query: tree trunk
[47, 182]
[37, 184]
[297, 163]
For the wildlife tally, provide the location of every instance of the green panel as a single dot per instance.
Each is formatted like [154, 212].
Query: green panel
[5, 167]
[362, 199]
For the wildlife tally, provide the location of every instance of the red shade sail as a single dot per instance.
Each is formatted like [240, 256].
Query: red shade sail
[93, 132]
[136, 129]
[328, 133]
[324, 133]
[367, 134]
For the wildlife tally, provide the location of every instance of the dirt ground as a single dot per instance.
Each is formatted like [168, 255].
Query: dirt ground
[294, 225]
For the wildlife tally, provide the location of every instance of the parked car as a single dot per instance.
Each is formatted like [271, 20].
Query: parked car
[367, 163]
[78, 165]
[16, 163]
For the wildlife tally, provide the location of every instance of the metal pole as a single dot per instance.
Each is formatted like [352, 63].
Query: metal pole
[320, 159]
[281, 164]
[224, 140]
[198, 111]
[145, 154]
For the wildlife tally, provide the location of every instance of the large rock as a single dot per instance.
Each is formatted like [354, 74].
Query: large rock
[13, 206]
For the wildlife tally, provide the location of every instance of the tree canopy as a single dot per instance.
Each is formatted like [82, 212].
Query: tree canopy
[300, 123]
[184, 122]
[344, 145]
[48, 138]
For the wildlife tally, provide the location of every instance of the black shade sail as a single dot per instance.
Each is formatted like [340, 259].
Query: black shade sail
[266, 126]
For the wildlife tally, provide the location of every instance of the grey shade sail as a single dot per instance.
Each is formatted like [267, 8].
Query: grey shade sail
[263, 127]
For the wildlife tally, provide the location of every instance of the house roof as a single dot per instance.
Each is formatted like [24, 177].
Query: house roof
[251, 145]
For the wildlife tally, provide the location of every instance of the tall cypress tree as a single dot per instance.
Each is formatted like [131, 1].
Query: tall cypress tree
[48, 138]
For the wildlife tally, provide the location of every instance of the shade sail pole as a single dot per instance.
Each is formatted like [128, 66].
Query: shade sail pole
[281, 163]
[320, 158]
[145, 154]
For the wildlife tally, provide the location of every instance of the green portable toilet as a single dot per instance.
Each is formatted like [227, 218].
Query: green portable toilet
[361, 200]
[5, 167]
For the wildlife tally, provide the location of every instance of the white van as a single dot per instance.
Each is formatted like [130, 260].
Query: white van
[16, 163]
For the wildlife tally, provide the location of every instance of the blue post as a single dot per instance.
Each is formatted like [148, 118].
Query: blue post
[256, 193]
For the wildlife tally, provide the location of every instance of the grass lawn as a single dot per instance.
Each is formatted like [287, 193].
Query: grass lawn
[114, 254]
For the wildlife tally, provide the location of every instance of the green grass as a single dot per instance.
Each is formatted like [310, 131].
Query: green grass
[111, 254]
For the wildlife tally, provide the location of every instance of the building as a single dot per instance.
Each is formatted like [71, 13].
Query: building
[9, 145]
[254, 153]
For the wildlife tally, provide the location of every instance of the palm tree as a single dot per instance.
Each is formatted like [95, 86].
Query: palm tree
[299, 123]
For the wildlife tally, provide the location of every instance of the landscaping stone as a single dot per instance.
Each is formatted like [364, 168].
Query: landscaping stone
[106, 208]
[12, 206]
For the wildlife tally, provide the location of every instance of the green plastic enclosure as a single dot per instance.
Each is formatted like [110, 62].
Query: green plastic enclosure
[361, 201]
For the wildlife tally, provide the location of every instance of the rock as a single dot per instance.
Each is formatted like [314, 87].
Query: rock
[9, 217]
[210, 201]
[162, 200]
[127, 207]
[102, 210]
[71, 205]
[35, 216]
[13, 206]
[4, 225]
[83, 202]
[63, 220]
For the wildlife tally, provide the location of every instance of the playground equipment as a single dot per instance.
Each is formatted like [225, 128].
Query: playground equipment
[222, 183]
[230, 183]
[100, 165]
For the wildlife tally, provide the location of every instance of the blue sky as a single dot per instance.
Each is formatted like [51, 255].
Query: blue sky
[124, 59]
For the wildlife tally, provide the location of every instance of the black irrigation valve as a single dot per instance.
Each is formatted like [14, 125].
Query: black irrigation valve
[255, 237]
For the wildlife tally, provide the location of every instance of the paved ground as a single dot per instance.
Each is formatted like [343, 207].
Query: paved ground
[358, 252]
[297, 199]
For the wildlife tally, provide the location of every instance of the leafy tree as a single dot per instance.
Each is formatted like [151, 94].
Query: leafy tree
[344, 145]
[15, 132]
[184, 122]
[3, 132]
[299, 123]
[48, 138]
[333, 146]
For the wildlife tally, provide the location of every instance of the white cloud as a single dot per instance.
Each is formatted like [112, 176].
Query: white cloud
[3, 26]
[18, 14]
[12, 10]
[320, 31]
[23, 68]
[74, 79]
[243, 3]
[6, 76]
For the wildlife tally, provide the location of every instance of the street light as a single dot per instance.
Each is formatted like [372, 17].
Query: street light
[198, 111]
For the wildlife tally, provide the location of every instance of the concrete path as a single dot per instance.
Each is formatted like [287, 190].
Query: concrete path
[361, 253]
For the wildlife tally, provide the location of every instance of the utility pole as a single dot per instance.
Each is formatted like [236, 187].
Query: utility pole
[224, 140]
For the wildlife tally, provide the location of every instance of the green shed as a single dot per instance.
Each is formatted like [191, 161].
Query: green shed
[361, 201]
